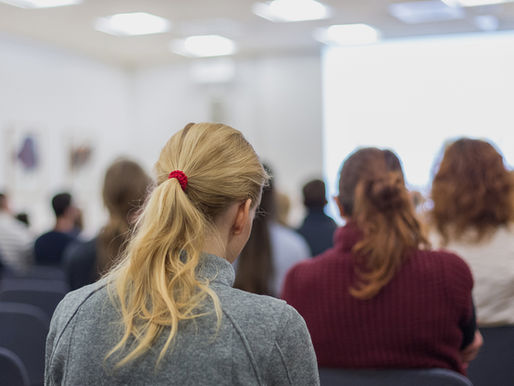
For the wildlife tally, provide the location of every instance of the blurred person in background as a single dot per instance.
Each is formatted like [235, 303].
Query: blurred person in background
[167, 314]
[270, 252]
[283, 208]
[317, 228]
[473, 215]
[16, 241]
[124, 191]
[380, 298]
[50, 246]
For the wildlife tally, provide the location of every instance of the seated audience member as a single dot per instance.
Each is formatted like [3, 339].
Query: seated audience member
[270, 252]
[50, 246]
[124, 189]
[167, 314]
[317, 228]
[473, 216]
[16, 241]
[283, 207]
[379, 298]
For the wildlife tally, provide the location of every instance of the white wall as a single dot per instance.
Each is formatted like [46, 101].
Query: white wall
[275, 102]
[61, 99]
[413, 95]
[65, 99]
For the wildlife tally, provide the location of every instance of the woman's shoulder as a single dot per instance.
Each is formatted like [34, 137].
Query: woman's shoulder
[243, 309]
[242, 304]
[441, 258]
[444, 265]
[77, 299]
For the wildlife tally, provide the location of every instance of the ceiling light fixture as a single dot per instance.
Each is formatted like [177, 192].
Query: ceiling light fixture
[414, 12]
[474, 3]
[348, 34]
[40, 3]
[130, 24]
[204, 46]
[291, 10]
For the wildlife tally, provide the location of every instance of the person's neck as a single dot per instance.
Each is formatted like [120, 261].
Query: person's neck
[316, 209]
[214, 246]
[63, 225]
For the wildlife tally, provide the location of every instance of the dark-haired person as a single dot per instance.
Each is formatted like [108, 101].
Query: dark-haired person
[317, 228]
[16, 241]
[271, 250]
[379, 298]
[473, 216]
[50, 246]
[124, 190]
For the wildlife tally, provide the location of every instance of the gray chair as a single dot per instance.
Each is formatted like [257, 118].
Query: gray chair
[407, 377]
[20, 282]
[23, 330]
[45, 294]
[45, 273]
[494, 365]
[12, 369]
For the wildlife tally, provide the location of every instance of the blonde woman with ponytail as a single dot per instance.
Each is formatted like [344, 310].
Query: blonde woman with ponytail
[167, 313]
[380, 298]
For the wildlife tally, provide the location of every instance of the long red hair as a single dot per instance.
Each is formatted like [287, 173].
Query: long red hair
[373, 195]
[472, 189]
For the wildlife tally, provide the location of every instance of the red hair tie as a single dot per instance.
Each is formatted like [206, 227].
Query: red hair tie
[181, 177]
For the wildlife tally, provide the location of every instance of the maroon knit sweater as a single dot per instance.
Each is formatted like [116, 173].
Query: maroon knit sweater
[414, 321]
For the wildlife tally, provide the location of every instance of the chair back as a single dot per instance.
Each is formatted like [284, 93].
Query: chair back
[12, 369]
[44, 294]
[23, 330]
[42, 272]
[494, 365]
[9, 282]
[407, 377]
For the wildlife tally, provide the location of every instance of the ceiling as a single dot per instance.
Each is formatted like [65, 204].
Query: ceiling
[71, 27]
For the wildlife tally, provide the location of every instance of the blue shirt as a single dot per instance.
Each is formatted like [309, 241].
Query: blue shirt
[50, 246]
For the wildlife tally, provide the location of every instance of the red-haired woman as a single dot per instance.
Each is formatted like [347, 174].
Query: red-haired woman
[379, 298]
[473, 215]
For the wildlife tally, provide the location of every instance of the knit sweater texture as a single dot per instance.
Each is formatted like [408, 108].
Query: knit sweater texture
[415, 321]
[261, 341]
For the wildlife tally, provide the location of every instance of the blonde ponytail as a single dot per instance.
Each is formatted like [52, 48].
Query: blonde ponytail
[156, 286]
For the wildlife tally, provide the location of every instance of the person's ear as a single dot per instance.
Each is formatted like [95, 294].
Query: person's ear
[242, 216]
[340, 206]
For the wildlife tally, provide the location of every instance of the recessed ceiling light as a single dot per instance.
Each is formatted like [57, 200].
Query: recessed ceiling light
[40, 3]
[204, 46]
[348, 34]
[474, 3]
[129, 24]
[414, 12]
[291, 10]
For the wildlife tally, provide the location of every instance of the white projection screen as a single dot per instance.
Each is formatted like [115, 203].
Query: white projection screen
[414, 95]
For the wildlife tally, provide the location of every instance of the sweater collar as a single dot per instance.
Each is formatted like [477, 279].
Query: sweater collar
[215, 269]
[347, 236]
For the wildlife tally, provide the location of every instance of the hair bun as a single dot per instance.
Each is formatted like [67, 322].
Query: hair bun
[388, 192]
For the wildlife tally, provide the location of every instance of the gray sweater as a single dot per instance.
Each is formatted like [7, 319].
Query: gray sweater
[261, 341]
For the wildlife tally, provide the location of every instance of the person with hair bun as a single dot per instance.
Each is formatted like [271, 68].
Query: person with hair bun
[167, 314]
[380, 298]
[473, 215]
[124, 190]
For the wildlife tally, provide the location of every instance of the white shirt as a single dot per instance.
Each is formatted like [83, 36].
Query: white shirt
[287, 249]
[16, 243]
[492, 264]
